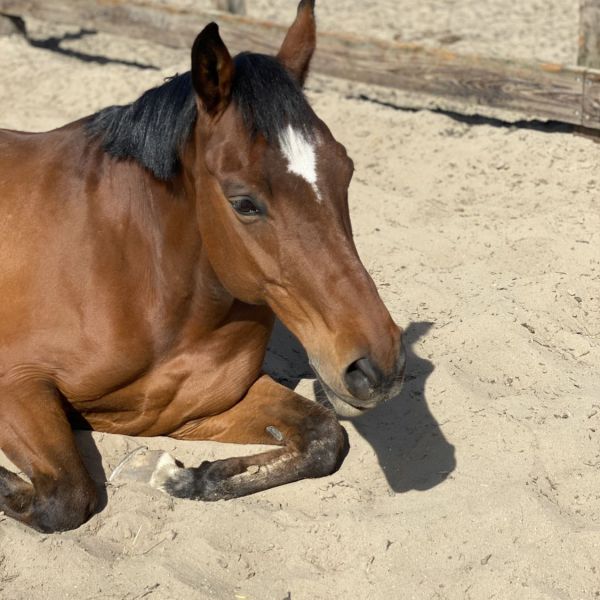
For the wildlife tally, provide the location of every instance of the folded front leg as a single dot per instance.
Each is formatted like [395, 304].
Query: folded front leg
[311, 443]
[36, 437]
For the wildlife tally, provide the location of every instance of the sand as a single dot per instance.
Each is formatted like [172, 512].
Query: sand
[482, 480]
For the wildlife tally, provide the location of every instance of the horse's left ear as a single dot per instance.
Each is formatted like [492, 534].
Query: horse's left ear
[300, 42]
[212, 70]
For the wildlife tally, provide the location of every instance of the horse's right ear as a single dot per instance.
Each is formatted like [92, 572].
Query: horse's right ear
[212, 70]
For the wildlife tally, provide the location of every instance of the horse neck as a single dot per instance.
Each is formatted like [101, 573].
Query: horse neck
[155, 222]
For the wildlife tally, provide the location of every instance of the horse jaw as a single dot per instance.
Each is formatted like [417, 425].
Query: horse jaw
[341, 407]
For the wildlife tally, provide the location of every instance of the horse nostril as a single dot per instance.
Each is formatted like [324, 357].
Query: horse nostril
[362, 378]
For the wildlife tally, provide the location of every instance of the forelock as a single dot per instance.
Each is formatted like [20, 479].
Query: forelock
[268, 98]
[153, 129]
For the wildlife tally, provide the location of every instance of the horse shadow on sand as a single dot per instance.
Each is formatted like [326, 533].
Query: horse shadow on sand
[410, 446]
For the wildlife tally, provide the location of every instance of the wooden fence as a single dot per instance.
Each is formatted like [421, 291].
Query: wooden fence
[566, 93]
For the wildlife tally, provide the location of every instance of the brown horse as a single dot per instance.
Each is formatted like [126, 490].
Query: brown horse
[145, 252]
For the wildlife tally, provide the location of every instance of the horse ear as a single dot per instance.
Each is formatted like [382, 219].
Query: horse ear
[300, 42]
[212, 70]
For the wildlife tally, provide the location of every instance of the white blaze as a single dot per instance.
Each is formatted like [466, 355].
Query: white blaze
[301, 156]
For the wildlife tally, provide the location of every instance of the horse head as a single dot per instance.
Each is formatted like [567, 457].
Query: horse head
[271, 186]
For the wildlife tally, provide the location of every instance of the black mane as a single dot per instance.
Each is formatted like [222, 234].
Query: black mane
[153, 129]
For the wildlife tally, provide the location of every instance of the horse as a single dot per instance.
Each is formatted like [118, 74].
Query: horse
[145, 252]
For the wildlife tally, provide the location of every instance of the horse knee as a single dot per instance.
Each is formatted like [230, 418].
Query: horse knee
[67, 507]
[326, 444]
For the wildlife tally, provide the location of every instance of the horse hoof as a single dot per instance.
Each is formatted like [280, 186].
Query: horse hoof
[151, 467]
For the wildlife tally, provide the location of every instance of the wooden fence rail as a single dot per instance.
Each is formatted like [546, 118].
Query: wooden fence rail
[570, 94]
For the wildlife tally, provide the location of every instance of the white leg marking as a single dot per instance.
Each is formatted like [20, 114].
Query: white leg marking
[165, 469]
[301, 156]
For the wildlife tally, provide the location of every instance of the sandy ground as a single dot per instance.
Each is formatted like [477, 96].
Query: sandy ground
[482, 480]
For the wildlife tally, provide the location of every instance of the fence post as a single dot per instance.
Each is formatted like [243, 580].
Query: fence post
[236, 7]
[589, 34]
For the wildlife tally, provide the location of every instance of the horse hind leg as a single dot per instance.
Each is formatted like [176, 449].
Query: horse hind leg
[35, 435]
[311, 443]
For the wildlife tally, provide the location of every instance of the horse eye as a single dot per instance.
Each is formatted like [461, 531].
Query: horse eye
[245, 206]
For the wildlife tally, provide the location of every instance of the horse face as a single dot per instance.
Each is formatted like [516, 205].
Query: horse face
[274, 216]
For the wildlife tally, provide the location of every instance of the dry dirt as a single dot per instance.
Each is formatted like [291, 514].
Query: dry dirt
[482, 480]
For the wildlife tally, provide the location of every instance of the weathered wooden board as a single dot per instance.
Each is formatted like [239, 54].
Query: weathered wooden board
[543, 91]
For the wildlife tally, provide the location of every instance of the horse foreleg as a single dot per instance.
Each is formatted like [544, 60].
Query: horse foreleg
[312, 444]
[36, 436]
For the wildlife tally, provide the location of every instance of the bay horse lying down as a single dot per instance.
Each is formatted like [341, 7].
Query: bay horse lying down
[145, 252]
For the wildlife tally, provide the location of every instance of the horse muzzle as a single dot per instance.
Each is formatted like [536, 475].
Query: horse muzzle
[366, 385]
